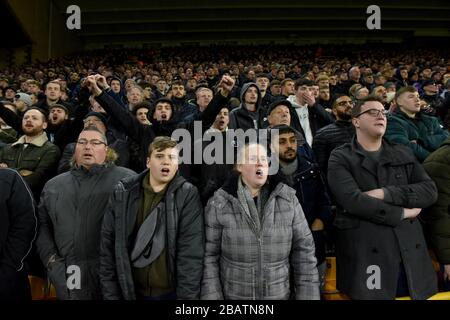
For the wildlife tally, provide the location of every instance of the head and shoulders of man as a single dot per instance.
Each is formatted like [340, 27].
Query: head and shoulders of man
[250, 98]
[34, 124]
[370, 121]
[162, 169]
[409, 107]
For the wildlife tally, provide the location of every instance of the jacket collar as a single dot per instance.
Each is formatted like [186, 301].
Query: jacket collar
[389, 154]
[38, 142]
[275, 183]
[95, 169]
[135, 181]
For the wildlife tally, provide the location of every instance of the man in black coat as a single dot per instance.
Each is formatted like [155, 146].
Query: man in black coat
[18, 225]
[152, 240]
[335, 134]
[380, 189]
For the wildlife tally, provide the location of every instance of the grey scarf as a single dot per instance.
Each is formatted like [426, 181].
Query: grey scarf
[255, 212]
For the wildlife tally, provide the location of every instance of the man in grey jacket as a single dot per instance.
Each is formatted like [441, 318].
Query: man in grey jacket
[71, 212]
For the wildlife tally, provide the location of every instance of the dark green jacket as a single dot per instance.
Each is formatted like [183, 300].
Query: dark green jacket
[8, 135]
[425, 130]
[437, 217]
[36, 163]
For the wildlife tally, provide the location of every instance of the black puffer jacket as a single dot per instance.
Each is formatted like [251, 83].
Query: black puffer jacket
[184, 243]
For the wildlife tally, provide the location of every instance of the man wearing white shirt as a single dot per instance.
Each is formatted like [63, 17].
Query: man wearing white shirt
[309, 116]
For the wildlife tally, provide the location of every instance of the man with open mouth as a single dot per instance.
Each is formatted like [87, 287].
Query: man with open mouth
[158, 255]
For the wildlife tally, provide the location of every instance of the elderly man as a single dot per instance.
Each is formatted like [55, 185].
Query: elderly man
[71, 212]
[380, 189]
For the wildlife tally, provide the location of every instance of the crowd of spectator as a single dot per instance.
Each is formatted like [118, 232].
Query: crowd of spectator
[89, 136]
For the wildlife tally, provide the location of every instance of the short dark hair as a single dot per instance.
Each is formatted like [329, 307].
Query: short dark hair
[141, 105]
[303, 82]
[262, 75]
[161, 143]
[177, 83]
[356, 110]
[337, 96]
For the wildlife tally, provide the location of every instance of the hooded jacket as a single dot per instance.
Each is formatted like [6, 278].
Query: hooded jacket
[241, 118]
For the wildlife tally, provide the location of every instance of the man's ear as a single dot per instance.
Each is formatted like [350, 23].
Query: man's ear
[148, 163]
[333, 110]
[355, 122]
[44, 125]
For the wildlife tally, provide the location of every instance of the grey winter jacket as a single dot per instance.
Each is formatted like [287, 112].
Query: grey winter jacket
[71, 213]
[243, 265]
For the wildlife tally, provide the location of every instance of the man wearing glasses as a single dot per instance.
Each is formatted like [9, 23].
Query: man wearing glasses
[380, 189]
[70, 214]
[335, 134]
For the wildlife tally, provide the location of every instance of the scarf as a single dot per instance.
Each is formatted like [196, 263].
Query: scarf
[252, 210]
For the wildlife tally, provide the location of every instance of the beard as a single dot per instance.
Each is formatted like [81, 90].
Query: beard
[344, 116]
[32, 131]
[288, 158]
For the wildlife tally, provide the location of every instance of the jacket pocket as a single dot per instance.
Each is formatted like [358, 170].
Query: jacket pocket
[276, 282]
[238, 283]
[56, 273]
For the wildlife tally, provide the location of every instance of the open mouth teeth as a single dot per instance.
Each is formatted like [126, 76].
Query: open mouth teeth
[163, 116]
[259, 173]
[165, 170]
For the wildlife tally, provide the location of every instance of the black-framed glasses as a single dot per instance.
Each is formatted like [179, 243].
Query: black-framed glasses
[374, 113]
[93, 142]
